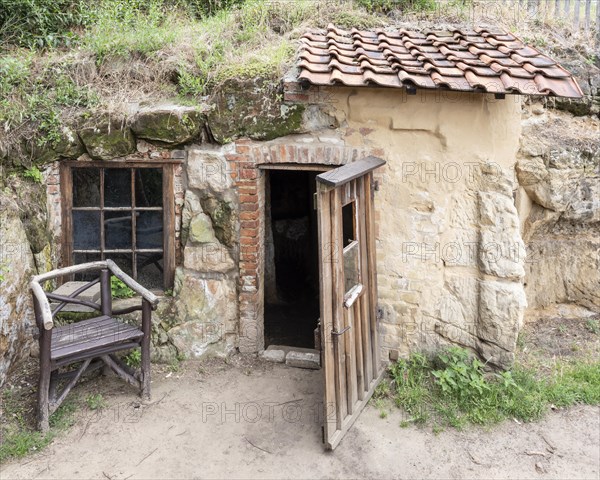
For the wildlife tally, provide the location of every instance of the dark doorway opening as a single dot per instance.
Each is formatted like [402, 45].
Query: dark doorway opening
[292, 259]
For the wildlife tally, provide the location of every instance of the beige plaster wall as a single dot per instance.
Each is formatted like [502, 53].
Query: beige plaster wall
[450, 254]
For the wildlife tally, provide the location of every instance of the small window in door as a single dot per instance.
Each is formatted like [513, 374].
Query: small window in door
[350, 252]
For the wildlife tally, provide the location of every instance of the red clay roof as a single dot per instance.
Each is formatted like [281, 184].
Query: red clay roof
[480, 60]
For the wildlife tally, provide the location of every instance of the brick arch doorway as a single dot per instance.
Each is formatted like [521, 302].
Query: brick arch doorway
[291, 256]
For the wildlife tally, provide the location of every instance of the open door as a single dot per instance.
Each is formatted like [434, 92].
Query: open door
[348, 293]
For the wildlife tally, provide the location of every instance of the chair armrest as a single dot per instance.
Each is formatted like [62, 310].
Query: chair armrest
[131, 283]
[42, 300]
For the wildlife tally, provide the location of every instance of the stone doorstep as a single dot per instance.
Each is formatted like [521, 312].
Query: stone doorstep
[293, 356]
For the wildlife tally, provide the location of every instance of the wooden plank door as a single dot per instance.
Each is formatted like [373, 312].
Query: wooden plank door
[348, 294]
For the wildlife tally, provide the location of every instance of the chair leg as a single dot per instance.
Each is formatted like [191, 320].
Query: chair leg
[43, 420]
[145, 393]
[145, 347]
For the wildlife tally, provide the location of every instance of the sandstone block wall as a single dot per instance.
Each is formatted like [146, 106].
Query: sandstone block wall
[559, 177]
[450, 253]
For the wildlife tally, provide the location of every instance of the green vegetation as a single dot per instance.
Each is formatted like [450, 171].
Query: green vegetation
[452, 389]
[41, 23]
[134, 358]
[33, 174]
[119, 290]
[95, 401]
[18, 438]
[387, 6]
[39, 94]
[593, 325]
[3, 269]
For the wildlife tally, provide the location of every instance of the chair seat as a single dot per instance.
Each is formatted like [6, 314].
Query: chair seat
[90, 335]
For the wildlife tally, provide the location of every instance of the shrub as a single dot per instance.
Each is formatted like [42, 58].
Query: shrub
[41, 23]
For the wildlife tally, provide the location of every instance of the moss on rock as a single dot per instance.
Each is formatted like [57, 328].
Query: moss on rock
[223, 219]
[108, 139]
[252, 108]
[168, 123]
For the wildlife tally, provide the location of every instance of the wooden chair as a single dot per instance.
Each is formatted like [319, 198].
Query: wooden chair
[92, 342]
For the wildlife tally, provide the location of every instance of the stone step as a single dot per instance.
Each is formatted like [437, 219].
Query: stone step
[293, 356]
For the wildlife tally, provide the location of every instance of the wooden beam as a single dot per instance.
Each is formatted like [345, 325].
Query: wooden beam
[297, 166]
[350, 171]
[54, 404]
[131, 283]
[120, 371]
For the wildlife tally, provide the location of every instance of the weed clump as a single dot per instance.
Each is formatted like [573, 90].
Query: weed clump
[453, 389]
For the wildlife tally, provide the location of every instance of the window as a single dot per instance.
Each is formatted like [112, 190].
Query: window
[123, 212]
[350, 251]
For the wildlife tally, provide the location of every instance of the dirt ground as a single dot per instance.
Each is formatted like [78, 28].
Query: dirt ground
[251, 419]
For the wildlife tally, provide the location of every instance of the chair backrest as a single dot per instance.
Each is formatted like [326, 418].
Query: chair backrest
[45, 314]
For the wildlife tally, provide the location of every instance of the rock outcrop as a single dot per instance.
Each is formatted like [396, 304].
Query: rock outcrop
[17, 264]
[559, 174]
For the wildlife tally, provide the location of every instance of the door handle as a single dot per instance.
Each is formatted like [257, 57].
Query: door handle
[342, 332]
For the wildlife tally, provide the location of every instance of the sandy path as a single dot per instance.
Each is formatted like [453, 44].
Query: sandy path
[262, 421]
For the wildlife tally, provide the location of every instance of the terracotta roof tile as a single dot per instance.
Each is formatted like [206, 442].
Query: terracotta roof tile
[480, 60]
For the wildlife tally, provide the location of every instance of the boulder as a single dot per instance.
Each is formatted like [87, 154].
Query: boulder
[252, 108]
[207, 309]
[208, 170]
[303, 359]
[191, 207]
[273, 355]
[108, 139]
[168, 123]
[208, 258]
[501, 309]
[501, 248]
[201, 229]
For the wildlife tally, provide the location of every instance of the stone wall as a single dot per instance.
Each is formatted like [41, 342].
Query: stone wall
[205, 290]
[25, 249]
[16, 266]
[451, 258]
[450, 253]
[559, 204]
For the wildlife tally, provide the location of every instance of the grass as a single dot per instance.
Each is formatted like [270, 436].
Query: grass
[18, 439]
[63, 60]
[451, 389]
[95, 401]
[132, 51]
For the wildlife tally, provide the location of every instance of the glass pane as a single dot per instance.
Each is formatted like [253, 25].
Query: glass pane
[117, 187]
[150, 270]
[86, 187]
[86, 230]
[348, 224]
[148, 187]
[117, 230]
[149, 230]
[123, 260]
[351, 266]
[79, 258]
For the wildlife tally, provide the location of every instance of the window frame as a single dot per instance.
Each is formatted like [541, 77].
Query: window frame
[168, 208]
